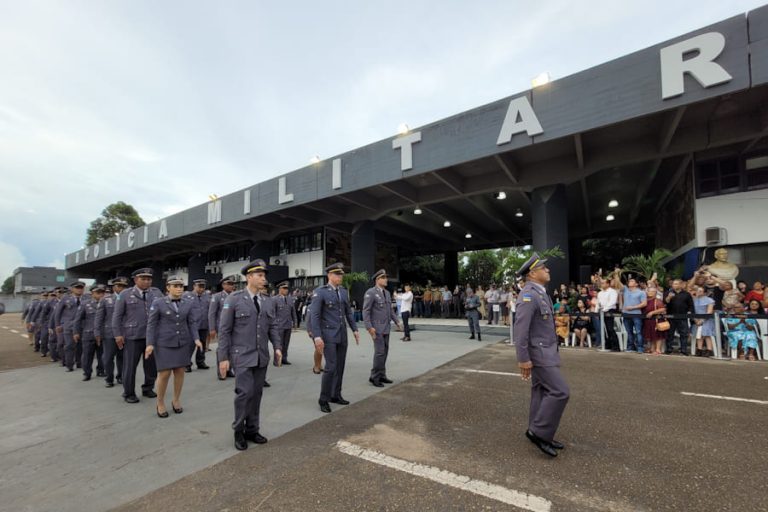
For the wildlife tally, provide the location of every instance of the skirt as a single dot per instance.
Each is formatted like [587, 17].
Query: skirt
[168, 358]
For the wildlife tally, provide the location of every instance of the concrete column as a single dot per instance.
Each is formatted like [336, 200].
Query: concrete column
[261, 250]
[158, 281]
[451, 269]
[196, 269]
[549, 213]
[363, 256]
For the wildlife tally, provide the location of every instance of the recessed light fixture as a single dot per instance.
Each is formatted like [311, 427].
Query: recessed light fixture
[403, 128]
[447, 224]
[314, 160]
[501, 195]
[610, 218]
[519, 213]
[417, 211]
[468, 235]
[613, 203]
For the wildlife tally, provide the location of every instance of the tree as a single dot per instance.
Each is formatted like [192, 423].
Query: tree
[516, 256]
[479, 267]
[422, 269]
[645, 266]
[115, 218]
[8, 285]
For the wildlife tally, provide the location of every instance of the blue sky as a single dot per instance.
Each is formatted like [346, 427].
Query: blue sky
[160, 104]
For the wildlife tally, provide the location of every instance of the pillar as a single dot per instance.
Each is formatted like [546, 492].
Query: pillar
[451, 269]
[549, 214]
[158, 281]
[196, 269]
[363, 256]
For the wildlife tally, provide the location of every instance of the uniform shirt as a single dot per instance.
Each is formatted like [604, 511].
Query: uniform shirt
[534, 329]
[85, 318]
[173, 324]
[377, 312]
[285, 310]
[202, 303]
[214, 309]
[129, 318]
[66, 310]
[245, 332]
[330, 310]
[103, 321]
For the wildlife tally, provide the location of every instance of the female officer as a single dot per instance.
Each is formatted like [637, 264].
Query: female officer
[172, 336]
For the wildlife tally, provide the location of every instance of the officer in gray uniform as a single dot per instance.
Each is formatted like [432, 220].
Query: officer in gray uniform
[84, 331]
[248, 324]
[285, 307]
[105, 336]
[377, 314]
[53, 344]
[129, 325]
[214, 314]
[34, 316]
[64, 319]
[538, 356]
[471, 305]
[201, 298]
[329, 312]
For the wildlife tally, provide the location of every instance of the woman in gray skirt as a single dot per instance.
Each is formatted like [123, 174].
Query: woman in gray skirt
[172, 337]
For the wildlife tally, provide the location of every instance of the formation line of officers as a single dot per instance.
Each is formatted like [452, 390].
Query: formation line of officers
[120, 326]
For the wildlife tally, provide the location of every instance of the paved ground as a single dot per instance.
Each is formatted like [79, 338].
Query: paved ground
[634, 442]
[68, 445]
[15, 351]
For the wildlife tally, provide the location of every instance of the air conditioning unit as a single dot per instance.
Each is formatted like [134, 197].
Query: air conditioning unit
[715, 236]
[296, 272]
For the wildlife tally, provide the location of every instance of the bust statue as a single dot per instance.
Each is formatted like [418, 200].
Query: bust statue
[720, 270]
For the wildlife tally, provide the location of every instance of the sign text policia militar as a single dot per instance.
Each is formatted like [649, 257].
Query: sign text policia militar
[703, 64]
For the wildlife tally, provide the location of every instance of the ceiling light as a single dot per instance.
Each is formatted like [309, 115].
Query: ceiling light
[613, 203]
[314, 160]
[541, 79]
[501, 195]
[468, 235]
[447, 224]
[403, 128]
[610, 218]
[417, 211]
[519, 213]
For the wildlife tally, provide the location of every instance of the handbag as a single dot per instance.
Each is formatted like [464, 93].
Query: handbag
[662, 326]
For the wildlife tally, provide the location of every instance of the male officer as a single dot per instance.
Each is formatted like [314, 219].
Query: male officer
[286, 317]
[377, 313]
[34, 316]
[85, 322]
[105, 335]
[471, 305]
[537, 356]
[129, 325]
[248, 323]
[42, 321]
[330, 309]
[64, 320]
[53, 343]
[214, 313]
[202, 301]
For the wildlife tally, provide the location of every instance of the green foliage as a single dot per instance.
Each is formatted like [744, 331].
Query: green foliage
[516, 256]
[606, 253]
[645, 266]
[422, 269]
[7, 285]
[478, 267]
[351, 278]
[115, 218]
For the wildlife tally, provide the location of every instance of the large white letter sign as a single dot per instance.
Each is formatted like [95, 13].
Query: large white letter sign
[405, 145]
[701, 67]
[336, 174]
[520, 118]
[282, 197]
[214, 211]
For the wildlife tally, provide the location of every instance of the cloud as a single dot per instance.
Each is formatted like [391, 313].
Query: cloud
[11, 258]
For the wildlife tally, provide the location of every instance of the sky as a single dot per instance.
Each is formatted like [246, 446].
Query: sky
[160, 104]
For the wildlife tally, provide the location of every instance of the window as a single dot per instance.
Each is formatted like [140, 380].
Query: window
[731, 174]
[757, 172]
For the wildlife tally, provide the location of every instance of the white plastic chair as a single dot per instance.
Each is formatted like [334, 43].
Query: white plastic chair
[621, 333]
[574, 340]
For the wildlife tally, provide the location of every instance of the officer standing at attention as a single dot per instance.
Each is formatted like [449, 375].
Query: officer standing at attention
[538, 356]
[64, 319]
[248, 323]
[377, 313]
[472, 311]
[53, 344]
[41, 321]
[129, 325]
[285, 308]
[85, 321]
[214, 313]
[330, 308]
[104, 334]
[202, 301]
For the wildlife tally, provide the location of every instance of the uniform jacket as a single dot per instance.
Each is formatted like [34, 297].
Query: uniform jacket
[471, 305]
[85, 318]
[103, 322]
[129, 318]
[244, 333]
[202, 303]
[285, 309]
[214, 309]
[329, 311]
[310, 329]
[534, 330]
[167, 327]
[34, 307]
[52, 316]
[66, 310]
[377, 310]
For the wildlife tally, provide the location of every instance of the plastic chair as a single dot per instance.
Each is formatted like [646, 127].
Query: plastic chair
[621, 333]
[573, 340]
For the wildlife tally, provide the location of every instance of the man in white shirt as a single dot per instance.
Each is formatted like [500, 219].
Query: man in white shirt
[607, 299]
[494, 308]
[406, 303]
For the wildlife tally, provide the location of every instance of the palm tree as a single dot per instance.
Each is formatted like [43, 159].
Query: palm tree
[646, 266]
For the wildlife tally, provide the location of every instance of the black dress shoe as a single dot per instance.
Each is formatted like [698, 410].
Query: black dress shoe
[132, 399]
[188, 369]
[240, 442]
[109, 385]
[557, 445]
[255, 437]
[267, 384]
[203, 366]
[479, 338]
[472, 337]
[119, 380]
[340, 401]
[324, 407]
[286, 363]
[231, 373]
[70, 369]
[386, 380]
[376, 383]
[163, 414]
[86, 378]
[220, 377]
[541, 444]
[149, 394]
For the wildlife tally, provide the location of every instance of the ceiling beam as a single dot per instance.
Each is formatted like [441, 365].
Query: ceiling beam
[579, 151]
[361, 199]
[674, 179]
[403, 190]
[670, 127]
[585, 200]
[451, 179]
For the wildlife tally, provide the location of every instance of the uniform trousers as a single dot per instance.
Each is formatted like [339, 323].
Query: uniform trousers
[69, 349]
[380, 353]
[38, 337]
[110, 353]
[44, 340]
[249, 385]
[335, 359]
[78, 354]
[133, 353]
[549, 396]
[285, 335]
[473, 318]
[89, 351]
[60, 348]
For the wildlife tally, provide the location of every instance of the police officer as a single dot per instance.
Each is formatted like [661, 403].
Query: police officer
[85, 322]
[27, 317]
[317, 367]
[64, 319]
[42, 320]
[377, 313]
[53, 344]
[201, 299]
[538, 356]
[129, 325]
[285, 308]
[105, 335]
[471, 310]
[248, 323]
[330, 309]
[35, 313]
[214, 313]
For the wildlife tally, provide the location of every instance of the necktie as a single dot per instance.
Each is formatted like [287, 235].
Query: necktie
[144, 296]
[78, 302]
[285, 300]
[256, 303]
[175, 305]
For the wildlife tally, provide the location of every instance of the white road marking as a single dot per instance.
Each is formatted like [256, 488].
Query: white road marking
[735, 399]
[5, 327]
[464, 483]
[14, 331]
[490, 372]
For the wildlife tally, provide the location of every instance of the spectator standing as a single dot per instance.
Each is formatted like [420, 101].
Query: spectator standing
[608, 299]
[756, 293]
[705, 327]
[494, 310]
[406, 305]
[632, 303]
[427, 304]
[418, 303]
[652, 312]
[481, 295]
[679, 302]
[446, 303]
